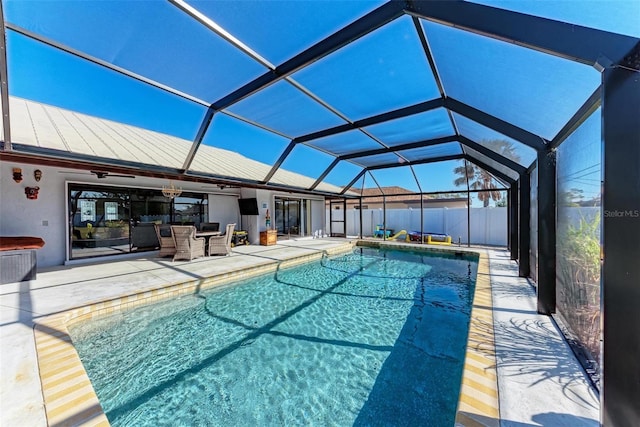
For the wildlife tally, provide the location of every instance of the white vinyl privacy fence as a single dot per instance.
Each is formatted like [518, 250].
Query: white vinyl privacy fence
[488, 226]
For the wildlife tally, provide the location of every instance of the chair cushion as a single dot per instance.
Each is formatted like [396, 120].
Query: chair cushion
[20, 242]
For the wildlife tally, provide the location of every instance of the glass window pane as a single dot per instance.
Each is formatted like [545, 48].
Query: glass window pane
[382, 71]
[535, 91]
[578, 241]
[446, 149]
[345, 143]
[508, 147]
[150, 38]
[286, 109]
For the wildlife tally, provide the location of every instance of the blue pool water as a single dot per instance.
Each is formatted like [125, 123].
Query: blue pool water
[373, 337]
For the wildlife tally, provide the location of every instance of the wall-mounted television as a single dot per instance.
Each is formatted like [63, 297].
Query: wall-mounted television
[248, 206]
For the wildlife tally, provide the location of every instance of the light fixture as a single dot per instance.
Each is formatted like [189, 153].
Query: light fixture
[171, 191]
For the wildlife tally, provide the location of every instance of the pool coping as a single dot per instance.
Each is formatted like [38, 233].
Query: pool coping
[69, 397]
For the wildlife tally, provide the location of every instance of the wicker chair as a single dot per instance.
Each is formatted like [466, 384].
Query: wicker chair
[167, 245]
[221, 245]
[188, 246]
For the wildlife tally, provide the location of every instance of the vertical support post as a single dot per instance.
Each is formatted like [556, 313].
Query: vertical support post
[468, 217]
[514, 231]
[421, 219]
[546, 232]
[620, 277]
[509, 219]
[467, 170]
[384, 218]
[344, 209]
[330, 218]
[360, 234]
[524, 236]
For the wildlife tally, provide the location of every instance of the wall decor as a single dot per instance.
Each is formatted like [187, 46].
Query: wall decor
[32, 192]
[17, 175]
[37, 174]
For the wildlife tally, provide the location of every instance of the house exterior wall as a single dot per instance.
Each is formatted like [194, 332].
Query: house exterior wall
[46, 216]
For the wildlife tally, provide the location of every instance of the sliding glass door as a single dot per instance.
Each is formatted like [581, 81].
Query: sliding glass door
[105, 220]
[291, 216]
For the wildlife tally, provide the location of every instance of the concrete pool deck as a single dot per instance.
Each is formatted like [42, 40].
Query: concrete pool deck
[539, 381]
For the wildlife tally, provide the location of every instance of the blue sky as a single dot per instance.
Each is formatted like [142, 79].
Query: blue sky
[166, 45]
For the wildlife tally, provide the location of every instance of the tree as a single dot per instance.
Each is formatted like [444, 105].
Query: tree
[480, 179]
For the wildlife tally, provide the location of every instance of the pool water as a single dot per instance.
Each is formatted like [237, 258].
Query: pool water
[374, 337]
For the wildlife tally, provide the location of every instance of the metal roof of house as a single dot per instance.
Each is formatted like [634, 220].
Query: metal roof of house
[74, 134]
[336, 91]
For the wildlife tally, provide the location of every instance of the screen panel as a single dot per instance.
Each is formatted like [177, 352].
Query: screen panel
[44, 74]
[229, 133]
[616, 16]
[378, 160]
[286, 109]
[579, 235]
[490, 75]
[284, 18]
[149, 38]
[418, 127]
[498, 166]
[431, 151]
[495, 141]
[396, 180]
[372, 75]
[345, 142]
[308, 162]
[440, 176]
[342, 174]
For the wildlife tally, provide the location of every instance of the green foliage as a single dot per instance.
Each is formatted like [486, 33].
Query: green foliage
[579, 248]
[478, 178]
[578, 282]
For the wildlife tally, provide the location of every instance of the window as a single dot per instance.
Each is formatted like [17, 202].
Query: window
[106, 220]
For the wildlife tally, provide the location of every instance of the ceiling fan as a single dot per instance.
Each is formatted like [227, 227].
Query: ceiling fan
[220, 186]
[101, 174]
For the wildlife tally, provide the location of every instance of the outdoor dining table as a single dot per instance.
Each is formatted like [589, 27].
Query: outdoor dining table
[206, 235]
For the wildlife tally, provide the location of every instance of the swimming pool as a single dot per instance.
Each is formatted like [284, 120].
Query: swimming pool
[372, 337]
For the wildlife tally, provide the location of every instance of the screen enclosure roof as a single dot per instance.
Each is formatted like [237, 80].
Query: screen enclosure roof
[315, 96]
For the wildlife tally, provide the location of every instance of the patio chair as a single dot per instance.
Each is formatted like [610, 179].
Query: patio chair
[188, 246]
[221, 245]
[381, 232]
[167, 245]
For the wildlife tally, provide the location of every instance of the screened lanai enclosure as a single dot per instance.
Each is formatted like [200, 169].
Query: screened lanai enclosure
[537, 101]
